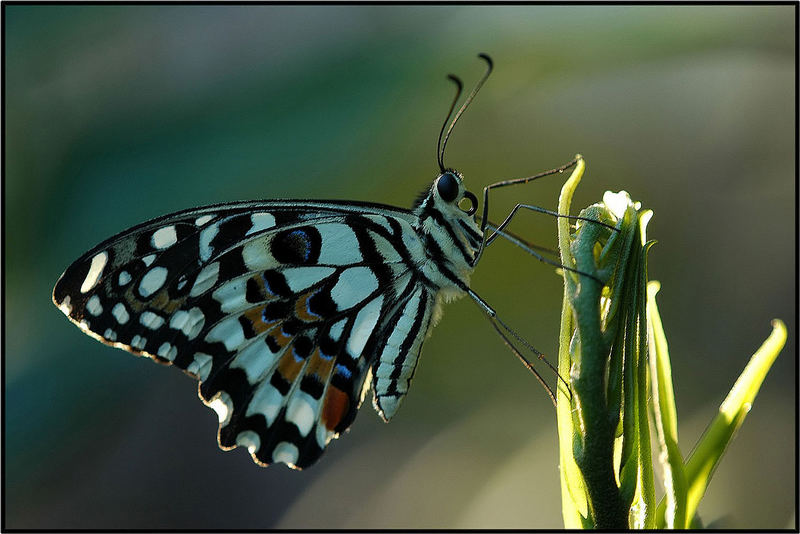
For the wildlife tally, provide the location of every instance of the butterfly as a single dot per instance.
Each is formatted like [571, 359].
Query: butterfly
[287, 312]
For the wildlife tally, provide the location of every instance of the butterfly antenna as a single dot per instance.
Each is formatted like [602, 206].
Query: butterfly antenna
[439, 150]
[467, 102]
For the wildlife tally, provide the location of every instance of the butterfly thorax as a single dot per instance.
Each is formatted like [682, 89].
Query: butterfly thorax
[451, 239]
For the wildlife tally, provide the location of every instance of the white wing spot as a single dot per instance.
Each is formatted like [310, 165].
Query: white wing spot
[300, 278]
[223, 406]
[124, 278]
[138, 342]
[66, 305]
[336, 330]
[261, 221]
[196, 320]
[206, 235]
[255, 359]
[190, 323]
[229, 332]
[300, 411]
[200, 221]
[167, 351]
[164, 237]
[149, 259]
[388, 404]
[324, 435]
[151, 320]
[354, 285]
[152, 281]
[364, 324]
[285, 452]
[249, 439]
[95, 270]
[339, 245]
[205, 280]
[93, 306]
[201, 365]
[120, 313]
[179, 319]
[267, 401]
[255, 255]
[110, 335]
[231, 296]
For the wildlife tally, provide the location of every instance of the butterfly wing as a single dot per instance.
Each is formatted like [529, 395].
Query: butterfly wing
[281, 309]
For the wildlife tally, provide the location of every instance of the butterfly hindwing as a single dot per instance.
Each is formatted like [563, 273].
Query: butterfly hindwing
[280, 310]
[403, 332]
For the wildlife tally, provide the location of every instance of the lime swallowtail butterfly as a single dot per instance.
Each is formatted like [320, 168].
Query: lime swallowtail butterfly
[288, 311]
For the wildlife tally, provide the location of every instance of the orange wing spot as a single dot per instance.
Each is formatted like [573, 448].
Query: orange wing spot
[133, 301]
[289, 366]
[173, 305]
[256, 318]
[301, 310]
[277, 334]
[162, 302]
[319, 366]
[335, 407]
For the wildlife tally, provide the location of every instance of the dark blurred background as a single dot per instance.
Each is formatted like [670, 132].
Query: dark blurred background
[116, 114]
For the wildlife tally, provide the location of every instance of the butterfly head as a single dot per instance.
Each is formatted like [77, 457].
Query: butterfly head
[446, 214]
[449, 190]
[448, 195]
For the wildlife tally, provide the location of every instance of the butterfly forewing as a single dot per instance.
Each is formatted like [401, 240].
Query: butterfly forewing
[286, 311]
[280, 309]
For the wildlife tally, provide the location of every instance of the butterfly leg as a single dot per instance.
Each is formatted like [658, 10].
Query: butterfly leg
[530, 249]
[538, 209]
[503, 330]
[505, 183]
[498, 230]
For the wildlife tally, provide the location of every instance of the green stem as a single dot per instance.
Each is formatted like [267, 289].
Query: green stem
[593, 443]
[594, 450]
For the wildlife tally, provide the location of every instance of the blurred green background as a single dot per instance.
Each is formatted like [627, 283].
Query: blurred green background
[116, 114]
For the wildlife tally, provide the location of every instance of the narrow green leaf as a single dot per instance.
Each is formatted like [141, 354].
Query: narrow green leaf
[673, 514]
[574, 499]
[712, 445]
[647, 493]
[636, 477]
[706, 455]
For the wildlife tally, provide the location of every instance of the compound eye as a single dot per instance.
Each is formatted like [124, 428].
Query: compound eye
[447, 185]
